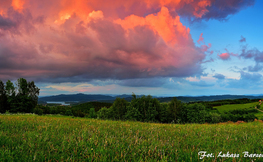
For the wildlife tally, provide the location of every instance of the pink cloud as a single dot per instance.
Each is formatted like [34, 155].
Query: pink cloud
[226, 56]
[201, 39]
[81, 40]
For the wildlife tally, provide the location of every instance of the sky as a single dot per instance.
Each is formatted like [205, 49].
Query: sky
[150, 47]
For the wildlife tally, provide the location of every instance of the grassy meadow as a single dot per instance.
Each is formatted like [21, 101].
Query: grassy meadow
[59, 138]
[225, 108]
[230, 107]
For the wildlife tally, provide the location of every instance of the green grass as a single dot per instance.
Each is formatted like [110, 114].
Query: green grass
[56, 138]
[225, 108]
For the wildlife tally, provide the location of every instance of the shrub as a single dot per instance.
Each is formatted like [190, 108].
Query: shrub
[38, 111]
[196, 113]
[103, 113]
[214, 117]
[133, 114]
[119, 108]
[7, 112]
[68, 113]
[92, 113]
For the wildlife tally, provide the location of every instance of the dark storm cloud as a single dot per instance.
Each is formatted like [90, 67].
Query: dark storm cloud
[219, 9]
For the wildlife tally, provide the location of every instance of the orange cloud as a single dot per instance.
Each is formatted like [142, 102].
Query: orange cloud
[200, 8]
[17, 4]
[169, 28]
[69, 40]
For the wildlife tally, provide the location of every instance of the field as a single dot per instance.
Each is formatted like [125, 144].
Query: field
[58, 138]
[225, 108]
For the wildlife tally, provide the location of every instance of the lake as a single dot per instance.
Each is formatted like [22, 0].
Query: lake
[53, 102]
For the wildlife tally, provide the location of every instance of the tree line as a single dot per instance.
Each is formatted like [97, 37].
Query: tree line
[148, 109]
[19, 97]
[23, 97]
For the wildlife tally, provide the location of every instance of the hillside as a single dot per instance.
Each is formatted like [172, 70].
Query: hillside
[110, 99]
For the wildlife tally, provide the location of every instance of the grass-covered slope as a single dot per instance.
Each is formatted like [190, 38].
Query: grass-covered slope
[225, 108]
[50, 138]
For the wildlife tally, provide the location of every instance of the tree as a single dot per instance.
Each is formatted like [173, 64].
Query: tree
[10, 93]
[92, 113]
[196, 113]
[119, 108]
[33, 92]
[152, 109]
[144, 108]
[103, 113]
[132, 114]
[9, 88]
[22, 98]
[3, 98]
[22, 87]
[175, 110]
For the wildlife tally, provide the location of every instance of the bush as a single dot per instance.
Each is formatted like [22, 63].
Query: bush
[92, 113]
[103, 113]
[38, 111]
[196, 113]
[119, 108]
[133, 114]
[7, 112]
[213, 117]
[249, 117]
[68, 113]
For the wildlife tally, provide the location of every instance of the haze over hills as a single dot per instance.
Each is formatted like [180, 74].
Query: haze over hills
[107, 98]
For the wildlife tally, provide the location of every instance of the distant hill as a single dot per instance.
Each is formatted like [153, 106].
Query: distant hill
[110, 99]
[80, 97]
[208, 98]
[76, 97]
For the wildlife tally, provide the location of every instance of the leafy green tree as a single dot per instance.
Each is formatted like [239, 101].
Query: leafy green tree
[92, 113]
[142, 104]
[119, 108]
[174, 110]
[3, 98]
[10, 88]
[68, 113]
[163, 113]
[23, 97]
[144, 108]
[132, 114]
[22, 87]
[152, 110]
[196, 113]
[33, 92]
[38, 111]
[213, 117]
[103, 113]
[11, 95]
